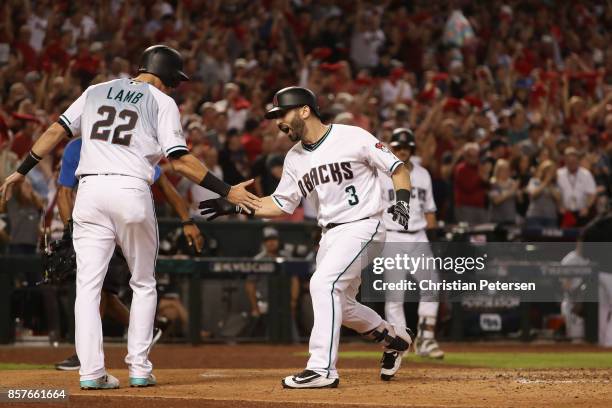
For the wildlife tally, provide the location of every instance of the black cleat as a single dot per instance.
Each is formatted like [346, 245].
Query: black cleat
[390, 364]
[393, 353]
[72, 363]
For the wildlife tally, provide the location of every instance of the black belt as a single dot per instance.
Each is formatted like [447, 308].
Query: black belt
[334, 224]
[406, 232]
[101, 174]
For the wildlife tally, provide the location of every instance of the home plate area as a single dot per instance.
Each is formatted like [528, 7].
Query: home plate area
[250, 376]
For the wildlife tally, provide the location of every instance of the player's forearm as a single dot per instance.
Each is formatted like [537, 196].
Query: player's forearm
[189, 166]
[432, 222]
[48, 140]
[65, 203]
[192, 168]
[43, 146]
[268, 209]
[401, 178]
[176, 201]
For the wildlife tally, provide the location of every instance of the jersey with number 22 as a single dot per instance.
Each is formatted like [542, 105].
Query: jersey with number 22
[126, 127]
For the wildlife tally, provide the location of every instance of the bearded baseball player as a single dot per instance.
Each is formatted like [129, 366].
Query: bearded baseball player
[337, 165]
[413, 241]
[126, 126]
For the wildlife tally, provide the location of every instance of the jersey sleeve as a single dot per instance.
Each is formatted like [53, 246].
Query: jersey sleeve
[70, 162]
[287, 194]
[169, 129]
[71, 118]
[377, 154]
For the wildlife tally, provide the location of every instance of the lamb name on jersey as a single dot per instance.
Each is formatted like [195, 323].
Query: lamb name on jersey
[421, 199]
[127, 126]
[339, 172]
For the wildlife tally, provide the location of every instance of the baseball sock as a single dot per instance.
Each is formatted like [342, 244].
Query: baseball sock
[385, 335]
[427, 327]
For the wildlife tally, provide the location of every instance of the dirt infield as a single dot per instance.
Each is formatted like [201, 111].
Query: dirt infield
[249, 376]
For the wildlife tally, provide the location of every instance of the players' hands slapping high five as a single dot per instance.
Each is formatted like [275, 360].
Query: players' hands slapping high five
[216, 207]
[239, 195]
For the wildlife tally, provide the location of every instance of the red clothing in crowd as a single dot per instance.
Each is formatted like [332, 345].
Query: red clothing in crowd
[22, 144]
[86, 63]
[30, 59]
[251, 145]
[470, 189]
[165, 34]
[54, 53]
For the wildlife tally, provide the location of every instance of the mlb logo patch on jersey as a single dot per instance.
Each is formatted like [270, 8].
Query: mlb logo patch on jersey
[382, 147]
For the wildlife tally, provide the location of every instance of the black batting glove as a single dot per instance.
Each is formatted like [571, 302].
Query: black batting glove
[401, 209]
[400, 212]
[217, 207]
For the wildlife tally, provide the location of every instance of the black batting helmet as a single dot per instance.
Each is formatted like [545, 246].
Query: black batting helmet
[402, 137]
[292, 97]
[165, 63]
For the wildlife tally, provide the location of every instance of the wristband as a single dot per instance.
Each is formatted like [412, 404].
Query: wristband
[189, 221]
[28, 163]
[212, 183]
[402, 195]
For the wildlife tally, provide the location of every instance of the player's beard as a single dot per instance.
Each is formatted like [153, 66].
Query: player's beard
[298, 129]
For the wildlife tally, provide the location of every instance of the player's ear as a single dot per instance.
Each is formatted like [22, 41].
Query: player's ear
[305, 112]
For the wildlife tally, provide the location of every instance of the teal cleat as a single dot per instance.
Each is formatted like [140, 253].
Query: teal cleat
[108, 382]
[143, 382]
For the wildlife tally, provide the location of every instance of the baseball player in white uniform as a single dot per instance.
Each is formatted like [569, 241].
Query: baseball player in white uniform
[413, 241]
[339, 165]
[126, 126]
[591, 249]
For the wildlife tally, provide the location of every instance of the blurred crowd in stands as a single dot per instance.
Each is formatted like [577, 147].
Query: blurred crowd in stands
[510, 101]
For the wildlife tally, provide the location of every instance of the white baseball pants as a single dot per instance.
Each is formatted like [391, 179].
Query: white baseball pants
[415, 245]
[109, 210]
[343, 252]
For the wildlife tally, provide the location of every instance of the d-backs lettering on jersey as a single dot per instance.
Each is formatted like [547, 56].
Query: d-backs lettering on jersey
[339, 172]
[421, 199]
[126, 127]
[325, 173]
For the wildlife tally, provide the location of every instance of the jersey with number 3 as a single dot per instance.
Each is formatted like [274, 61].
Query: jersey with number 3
[126, 127]
[339, 172]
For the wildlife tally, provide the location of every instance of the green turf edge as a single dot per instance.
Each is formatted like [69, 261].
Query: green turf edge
[503, 359]
[22, 366]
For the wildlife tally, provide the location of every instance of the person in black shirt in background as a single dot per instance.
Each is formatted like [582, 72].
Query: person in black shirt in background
[233, 159]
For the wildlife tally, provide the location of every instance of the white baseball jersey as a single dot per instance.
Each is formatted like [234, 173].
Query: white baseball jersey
[340, 170]
[421, 199]
[126, 126]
